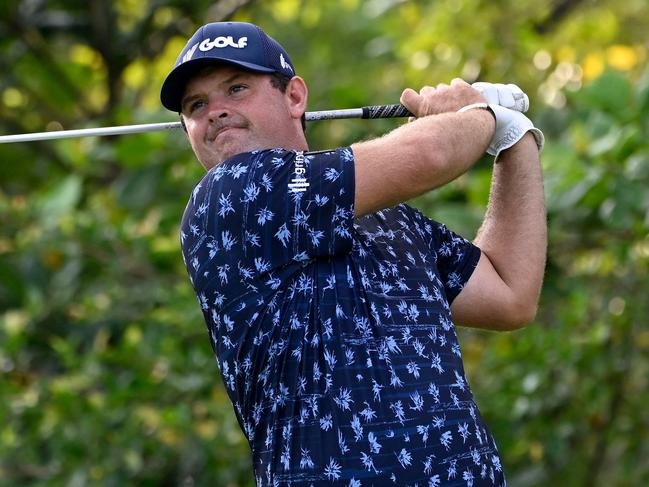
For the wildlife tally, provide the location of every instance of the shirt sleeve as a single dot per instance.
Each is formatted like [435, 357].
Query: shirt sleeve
[258, 211]
[456, 258]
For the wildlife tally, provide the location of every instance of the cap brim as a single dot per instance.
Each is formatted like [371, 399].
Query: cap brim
[173, 87]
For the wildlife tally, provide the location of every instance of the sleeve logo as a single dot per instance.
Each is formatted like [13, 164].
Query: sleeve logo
[299, 183]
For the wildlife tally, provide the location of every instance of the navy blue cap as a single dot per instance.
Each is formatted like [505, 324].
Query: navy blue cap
[237, 43]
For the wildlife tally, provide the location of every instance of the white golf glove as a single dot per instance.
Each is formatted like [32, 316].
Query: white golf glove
[508, 96]
[511, 125]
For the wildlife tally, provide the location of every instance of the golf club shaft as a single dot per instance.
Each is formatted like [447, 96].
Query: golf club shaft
[374, 111]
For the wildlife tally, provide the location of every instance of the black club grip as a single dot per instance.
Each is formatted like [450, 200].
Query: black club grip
[385, 111]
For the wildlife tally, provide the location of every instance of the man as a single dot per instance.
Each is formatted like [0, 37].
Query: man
[330, 304]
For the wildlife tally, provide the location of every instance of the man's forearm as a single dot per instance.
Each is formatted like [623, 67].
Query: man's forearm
[514, 232]
[455, 140]
[418, 157]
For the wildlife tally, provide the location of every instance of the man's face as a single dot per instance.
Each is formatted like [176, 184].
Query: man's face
[228, 111]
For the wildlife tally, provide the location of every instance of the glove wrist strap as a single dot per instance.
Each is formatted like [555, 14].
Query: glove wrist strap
[478, 106]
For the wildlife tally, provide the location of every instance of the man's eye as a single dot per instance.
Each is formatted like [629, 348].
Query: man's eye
[237, 88]
[196, 105]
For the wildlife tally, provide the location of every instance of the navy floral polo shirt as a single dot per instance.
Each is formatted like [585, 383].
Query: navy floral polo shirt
[333, 335]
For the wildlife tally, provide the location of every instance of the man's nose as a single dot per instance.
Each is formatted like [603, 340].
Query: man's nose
[218, 110]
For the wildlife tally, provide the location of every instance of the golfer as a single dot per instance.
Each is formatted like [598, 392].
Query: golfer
[331, 305]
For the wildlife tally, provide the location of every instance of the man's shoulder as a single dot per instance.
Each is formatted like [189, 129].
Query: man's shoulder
[278, 153]
[256, 155]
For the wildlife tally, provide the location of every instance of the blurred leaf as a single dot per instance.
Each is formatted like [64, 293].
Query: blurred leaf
[138, 188]
[610, 92]
[61, 199]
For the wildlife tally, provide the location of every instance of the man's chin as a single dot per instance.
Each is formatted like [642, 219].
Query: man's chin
[214, 160]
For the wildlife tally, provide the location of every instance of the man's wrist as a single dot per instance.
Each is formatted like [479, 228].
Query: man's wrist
[511, 126]
[478, 106]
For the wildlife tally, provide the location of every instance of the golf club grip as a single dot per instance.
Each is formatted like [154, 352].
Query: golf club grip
[385, 111]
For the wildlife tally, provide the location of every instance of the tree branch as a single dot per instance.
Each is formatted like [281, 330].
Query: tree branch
[559, 11]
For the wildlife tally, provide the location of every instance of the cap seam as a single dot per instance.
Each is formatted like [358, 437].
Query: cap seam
[264, 44]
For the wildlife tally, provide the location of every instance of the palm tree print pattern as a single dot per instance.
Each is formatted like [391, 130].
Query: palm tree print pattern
[333, 336]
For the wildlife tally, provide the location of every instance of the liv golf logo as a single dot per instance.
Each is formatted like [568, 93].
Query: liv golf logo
[299, 183]
[218, 43]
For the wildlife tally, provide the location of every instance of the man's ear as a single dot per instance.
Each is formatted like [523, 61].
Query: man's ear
[297, 94]
[182, 123]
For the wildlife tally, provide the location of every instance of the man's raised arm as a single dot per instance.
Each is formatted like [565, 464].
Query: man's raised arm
[503, 291]
[429, 152]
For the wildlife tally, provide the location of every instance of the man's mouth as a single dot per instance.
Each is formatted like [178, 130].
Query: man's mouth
[215, 134]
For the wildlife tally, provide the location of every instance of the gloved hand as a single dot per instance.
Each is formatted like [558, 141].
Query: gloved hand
[511, 125]
[508, 96]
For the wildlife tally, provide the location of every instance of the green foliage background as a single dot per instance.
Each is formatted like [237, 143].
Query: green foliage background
[107, 374]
